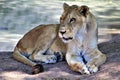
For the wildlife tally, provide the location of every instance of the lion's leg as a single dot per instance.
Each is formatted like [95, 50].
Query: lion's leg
[43, 57]
[50, 52]
[50, 56]
[46, 56]
[44, 53]
[96, 61]
[57, 53]
[76, 63]
[58, 48]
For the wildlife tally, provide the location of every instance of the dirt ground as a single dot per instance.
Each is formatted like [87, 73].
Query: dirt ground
[13, 70]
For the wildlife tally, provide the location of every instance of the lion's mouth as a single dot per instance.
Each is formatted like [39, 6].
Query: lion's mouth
[70, 38]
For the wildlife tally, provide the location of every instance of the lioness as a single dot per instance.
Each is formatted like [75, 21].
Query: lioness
[75, 37]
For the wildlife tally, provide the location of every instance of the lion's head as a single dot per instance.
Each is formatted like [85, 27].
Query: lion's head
[73, 20]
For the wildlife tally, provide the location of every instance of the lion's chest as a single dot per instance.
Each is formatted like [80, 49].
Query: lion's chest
[80, 36]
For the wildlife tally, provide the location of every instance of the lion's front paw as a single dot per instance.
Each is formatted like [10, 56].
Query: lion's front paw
[85, 70]
[51, 59]
[59, 56]
[92, 68]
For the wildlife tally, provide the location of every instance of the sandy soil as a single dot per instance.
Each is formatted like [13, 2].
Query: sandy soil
[13, 70]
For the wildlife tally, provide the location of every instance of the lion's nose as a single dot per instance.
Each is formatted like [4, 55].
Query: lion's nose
[62, 32]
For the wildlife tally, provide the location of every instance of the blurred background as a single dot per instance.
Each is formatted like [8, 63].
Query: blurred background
[19, 16]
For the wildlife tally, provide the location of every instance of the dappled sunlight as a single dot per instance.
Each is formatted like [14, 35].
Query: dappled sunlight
[106, 34]
[19, 16]
[113, 69]
[104, 75]
[9, 37]
[8, 41]
[17, 75]
[14, 75]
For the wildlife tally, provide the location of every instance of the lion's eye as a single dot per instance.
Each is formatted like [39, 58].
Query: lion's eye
[72, 20]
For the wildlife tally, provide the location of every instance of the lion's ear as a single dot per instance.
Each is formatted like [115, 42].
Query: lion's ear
[65, 6]
[84, 10]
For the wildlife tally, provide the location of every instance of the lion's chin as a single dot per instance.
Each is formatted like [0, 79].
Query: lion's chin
[64, 39]
[67, 40]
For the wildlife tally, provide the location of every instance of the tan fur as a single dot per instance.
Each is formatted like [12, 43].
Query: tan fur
[75, 36]
[78, 29]
[37, 42]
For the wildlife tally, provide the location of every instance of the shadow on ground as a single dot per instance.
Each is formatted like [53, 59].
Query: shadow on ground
[13, 70]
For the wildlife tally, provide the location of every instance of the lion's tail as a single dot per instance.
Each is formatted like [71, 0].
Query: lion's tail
[19, 57]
